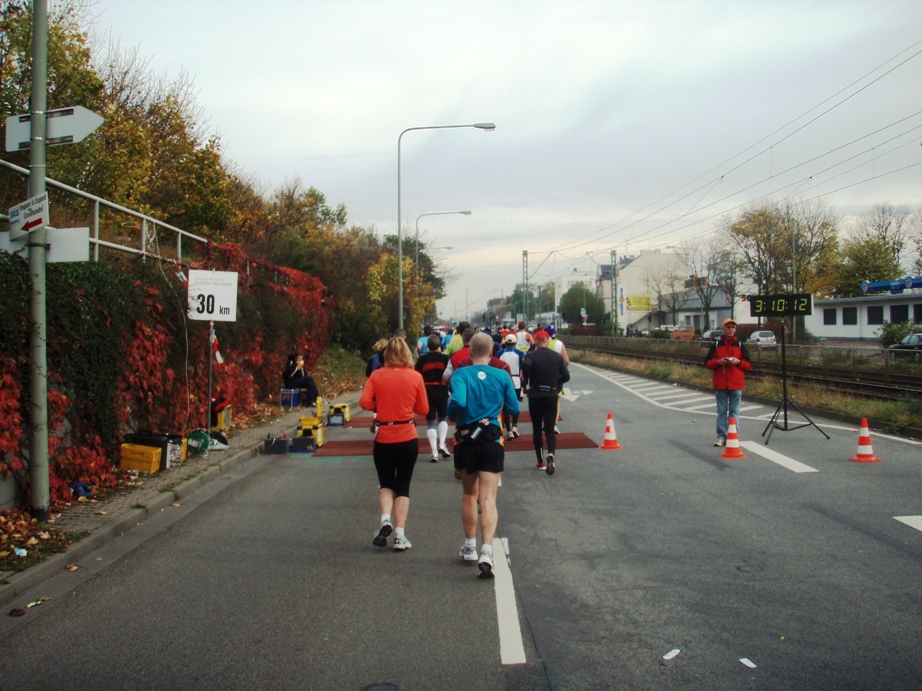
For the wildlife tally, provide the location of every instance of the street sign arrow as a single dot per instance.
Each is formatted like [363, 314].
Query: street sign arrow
[62, 126]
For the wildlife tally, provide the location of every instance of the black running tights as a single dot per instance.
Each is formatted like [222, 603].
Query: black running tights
[543, 411]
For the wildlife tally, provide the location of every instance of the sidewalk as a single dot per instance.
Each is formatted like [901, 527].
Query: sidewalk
[106, 519]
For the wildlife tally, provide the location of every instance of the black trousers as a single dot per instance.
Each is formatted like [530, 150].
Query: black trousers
[305, 382]
[543, 411]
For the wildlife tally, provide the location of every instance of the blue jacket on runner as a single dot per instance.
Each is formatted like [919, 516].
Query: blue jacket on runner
[481, 391]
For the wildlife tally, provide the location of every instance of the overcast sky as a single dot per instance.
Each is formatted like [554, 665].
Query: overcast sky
[620, 125]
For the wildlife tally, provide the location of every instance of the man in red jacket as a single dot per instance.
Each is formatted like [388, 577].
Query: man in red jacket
[728, 358]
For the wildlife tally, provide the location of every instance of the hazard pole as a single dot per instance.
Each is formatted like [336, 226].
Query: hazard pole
[38, 374]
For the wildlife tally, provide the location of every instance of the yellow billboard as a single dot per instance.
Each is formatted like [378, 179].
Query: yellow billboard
[641, 303]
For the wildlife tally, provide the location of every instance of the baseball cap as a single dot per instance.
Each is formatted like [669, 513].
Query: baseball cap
[729, 321]
[510, 338]
[542, 336]
[551, 330]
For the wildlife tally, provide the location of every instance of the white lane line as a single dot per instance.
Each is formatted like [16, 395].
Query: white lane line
[679, 397]
[511, 648]
[911, 521]
[775, 457]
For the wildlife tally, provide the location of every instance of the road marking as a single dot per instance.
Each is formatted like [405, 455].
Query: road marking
[911, 521]
[776, 457]
[511, 648]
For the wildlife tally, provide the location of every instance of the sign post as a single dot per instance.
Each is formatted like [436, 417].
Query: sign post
[212, 297]
[28, 216]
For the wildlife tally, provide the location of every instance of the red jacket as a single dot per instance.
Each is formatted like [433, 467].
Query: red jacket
[730, 377]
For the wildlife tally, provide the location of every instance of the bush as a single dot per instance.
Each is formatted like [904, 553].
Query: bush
[894, 333]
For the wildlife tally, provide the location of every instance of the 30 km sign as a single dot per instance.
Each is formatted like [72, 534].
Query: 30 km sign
[213, 295]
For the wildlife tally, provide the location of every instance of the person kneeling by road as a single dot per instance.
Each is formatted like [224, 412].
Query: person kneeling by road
[479, 393]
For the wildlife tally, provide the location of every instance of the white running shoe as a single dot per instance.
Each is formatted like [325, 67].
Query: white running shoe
[486, 565]
[382, 533]
[401, 543]
[468, 553]
[515, 432]
[444, 451]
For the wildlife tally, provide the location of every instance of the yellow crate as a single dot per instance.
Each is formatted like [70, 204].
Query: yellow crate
[344, 408]
[315, 431]
[223, 420]
[310, 421]
[137, 457]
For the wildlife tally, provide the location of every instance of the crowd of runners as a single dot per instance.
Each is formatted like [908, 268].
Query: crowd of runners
[476, 381]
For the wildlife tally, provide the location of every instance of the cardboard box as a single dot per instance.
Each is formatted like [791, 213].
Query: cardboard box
[290, 398]
[145, 459]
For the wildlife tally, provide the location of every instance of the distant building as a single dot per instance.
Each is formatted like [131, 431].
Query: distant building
[861, 318]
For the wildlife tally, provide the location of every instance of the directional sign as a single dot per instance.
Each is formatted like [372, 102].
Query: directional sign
[212, 295]
[62, 126]
[28, 216]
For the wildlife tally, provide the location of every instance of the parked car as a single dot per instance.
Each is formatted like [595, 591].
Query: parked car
[683, 332]
[762, 339]
[712, 336]
[910, 346]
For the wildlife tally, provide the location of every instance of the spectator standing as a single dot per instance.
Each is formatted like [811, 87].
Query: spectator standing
[395, 392]
[729, 360]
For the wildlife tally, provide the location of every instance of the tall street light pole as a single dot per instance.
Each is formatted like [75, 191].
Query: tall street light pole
[486, 127]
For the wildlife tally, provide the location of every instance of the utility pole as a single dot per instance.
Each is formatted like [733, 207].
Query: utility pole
[38, 375]
[525, 285]
[611, 291]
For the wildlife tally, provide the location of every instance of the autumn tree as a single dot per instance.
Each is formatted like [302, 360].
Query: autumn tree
[578, 298]
[667, 286]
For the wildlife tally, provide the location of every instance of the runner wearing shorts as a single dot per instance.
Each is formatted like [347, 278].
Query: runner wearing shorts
[479, 393]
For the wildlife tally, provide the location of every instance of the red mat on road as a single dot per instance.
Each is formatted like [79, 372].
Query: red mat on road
[568, 440]
[365, 421]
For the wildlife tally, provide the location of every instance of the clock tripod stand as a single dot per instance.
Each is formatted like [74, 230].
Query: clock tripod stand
[782, 409]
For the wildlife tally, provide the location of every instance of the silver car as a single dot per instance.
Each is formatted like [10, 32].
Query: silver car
[762, 339]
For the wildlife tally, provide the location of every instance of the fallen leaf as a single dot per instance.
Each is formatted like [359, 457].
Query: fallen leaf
[175, 503]
[31, 542]
[82, 500]
[44, 536]
[100, 513]
[71, 567]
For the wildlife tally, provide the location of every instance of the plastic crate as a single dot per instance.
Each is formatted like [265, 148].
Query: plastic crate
[314, 431]
[290, 398]
[221, 420]
[302, 445]
[145, 459]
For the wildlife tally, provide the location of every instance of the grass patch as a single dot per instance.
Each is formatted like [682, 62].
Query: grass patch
[40, 540]
[893, 415]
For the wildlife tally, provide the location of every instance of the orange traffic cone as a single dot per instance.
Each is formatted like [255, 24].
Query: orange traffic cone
[733, 442]
[611, 439]
[865, 452]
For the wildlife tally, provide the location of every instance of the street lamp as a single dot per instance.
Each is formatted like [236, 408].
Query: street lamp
[435, 213]
[486, 127]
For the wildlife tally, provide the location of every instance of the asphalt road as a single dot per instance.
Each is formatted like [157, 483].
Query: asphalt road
[789, 572]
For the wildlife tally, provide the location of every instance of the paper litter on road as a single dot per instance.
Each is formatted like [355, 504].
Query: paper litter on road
[671, 654]
[749, 663]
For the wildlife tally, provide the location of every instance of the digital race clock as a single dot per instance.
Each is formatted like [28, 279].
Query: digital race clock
[780, 305]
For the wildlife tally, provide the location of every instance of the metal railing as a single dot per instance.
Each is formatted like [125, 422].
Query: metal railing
[149, 225]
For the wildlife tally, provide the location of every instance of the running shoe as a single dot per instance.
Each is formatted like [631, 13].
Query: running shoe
[515, 432]
[551, 464]
[720, 442]
[401, 543]
[541, 466]
[556, 429]
[444, 451]
[485, 564]
[383, 533]
[434, 459]
[468, 553]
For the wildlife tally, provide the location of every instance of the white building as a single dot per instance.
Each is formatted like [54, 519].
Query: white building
[862, 317]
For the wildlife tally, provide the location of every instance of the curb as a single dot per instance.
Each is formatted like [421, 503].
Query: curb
[18, 583]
